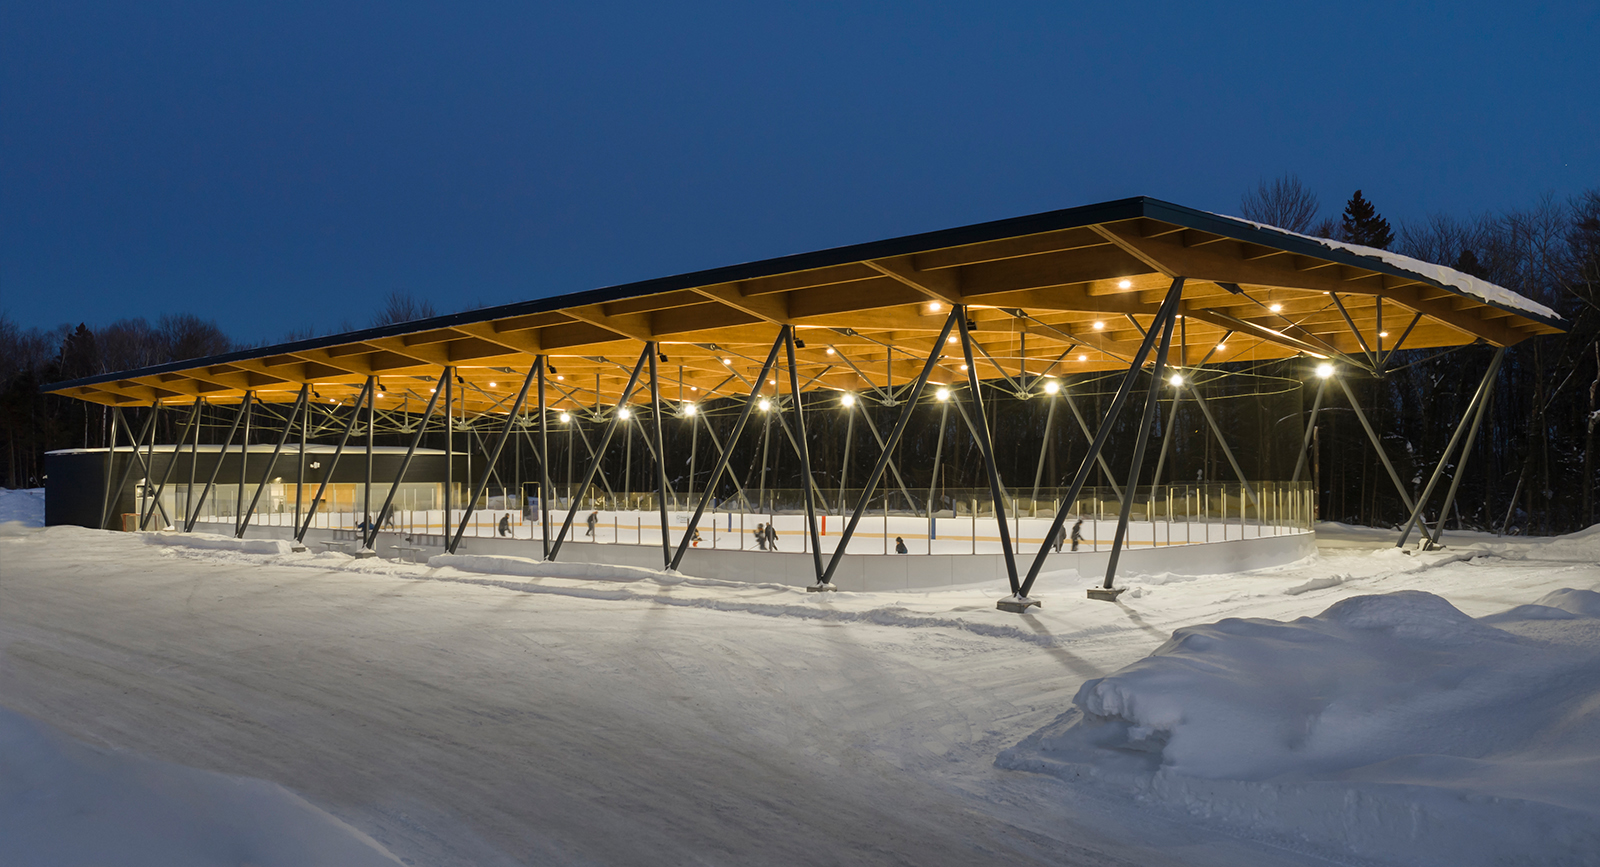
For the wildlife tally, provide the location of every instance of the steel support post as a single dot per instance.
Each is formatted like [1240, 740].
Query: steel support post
[1088, 434]
[494, 456]
[144, 517]
[194, 511]
[272, 463]
[605, 441]
[146, 462]
[1466, 452]
[894, 470]
[1216, 431]
[849, 440]
[938, 456]
[986, 448]
[111, 468]
[369, 539]
[660, 452]
[300, 473]
[1164, 315]
[805, 452]
[1474, 414]
[372, 432]
[127, 472]
[888, 448]
[725, 455]
[544, 464]
[1311, 426]
[244, 459]
[1377, 445]
[449, 450]
[338, 452]
[1044, 447]
[194, 465]
[1141, 438]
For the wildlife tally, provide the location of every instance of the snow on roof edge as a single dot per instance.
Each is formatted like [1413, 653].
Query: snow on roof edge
[1483, 290]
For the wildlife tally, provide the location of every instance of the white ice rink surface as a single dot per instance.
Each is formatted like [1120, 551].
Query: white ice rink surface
[460, 718]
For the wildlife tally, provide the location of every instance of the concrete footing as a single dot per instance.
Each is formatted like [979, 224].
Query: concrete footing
[1017, 606]
[1106, 594]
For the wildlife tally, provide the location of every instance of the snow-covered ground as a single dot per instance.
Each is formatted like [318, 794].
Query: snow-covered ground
[627, 717]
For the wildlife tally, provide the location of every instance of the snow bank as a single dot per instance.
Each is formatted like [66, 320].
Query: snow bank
[24, 507]
[1392, 727]
[63, 803]
[1481, 289]
[494, 564]
[212, 542]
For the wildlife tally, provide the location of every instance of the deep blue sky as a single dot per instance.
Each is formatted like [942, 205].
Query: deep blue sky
[285, 165]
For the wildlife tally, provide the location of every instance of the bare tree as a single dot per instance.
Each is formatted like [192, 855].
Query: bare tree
[403, 307]
[1283, 202]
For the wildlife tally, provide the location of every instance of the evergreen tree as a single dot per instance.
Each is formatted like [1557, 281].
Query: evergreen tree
[1363, 225]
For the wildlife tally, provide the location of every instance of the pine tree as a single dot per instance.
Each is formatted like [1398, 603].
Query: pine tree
[1363, 225]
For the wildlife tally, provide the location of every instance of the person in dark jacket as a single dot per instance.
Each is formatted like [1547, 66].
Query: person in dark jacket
[900, 546]
[1077, 534]
[505, 525]
[761, 536]
[772, 537]
[592, 520]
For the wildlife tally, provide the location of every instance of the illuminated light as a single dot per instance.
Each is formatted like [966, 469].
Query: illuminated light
[950, 339]
[694, 388]
[1324, 370]
[432, 390]
[830, 350]
[963, 368]
[1099, 326]
[764, 405]
[847, 400]
[1383, 334]
[727, 361]
[380, 394]
[1177, 379]
[1125, 284]
[561, 378]
[933, 307]
[491, 385]
[1221, 346]
[624, 414]
[1083, 358]
[1051, 387]
[942, 394]
[1276, 308]
[566, 417]
[772, 382]
[688, 409]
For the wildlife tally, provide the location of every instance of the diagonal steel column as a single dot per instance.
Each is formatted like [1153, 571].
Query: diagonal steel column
[1474, 414]
[1099, 457]
[194, 512]
[804, 449]
[244, 460]
[1377, 445]
[146, 462]
[986, 447]
[1044, 447]
[1168, 310]
[494, 456]
[370, 538]
[366, 492]
[1139, 443]
[449, 450]
[111, 467]
[194, 415]
[272, 463]
[355, 419]
[725, 455]
[1305, 442]
[660, 453]
[544, 465]
[1216, 431]
[849, 439]
[116, 493]
[1466, 451]
[888, 449]
[599, 453]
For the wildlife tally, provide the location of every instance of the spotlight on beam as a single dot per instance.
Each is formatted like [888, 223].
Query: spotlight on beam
[847, 400]
[624, 414]
[1324, 371]
[942, 394]
[764, 405]
[566, 417]
[1051, 386]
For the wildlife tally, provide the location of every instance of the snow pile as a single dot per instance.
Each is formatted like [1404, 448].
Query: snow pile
[62, 803]
[1392, 727]
[212, 542]
[495, 564]
[25, 507]
[1481, 289]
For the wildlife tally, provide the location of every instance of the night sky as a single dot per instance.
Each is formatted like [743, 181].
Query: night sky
[280, 166]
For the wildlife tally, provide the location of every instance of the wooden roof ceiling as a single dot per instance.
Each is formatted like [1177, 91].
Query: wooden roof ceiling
[1059, 293]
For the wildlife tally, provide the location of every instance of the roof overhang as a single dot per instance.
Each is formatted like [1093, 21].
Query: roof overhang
[1054, 293]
